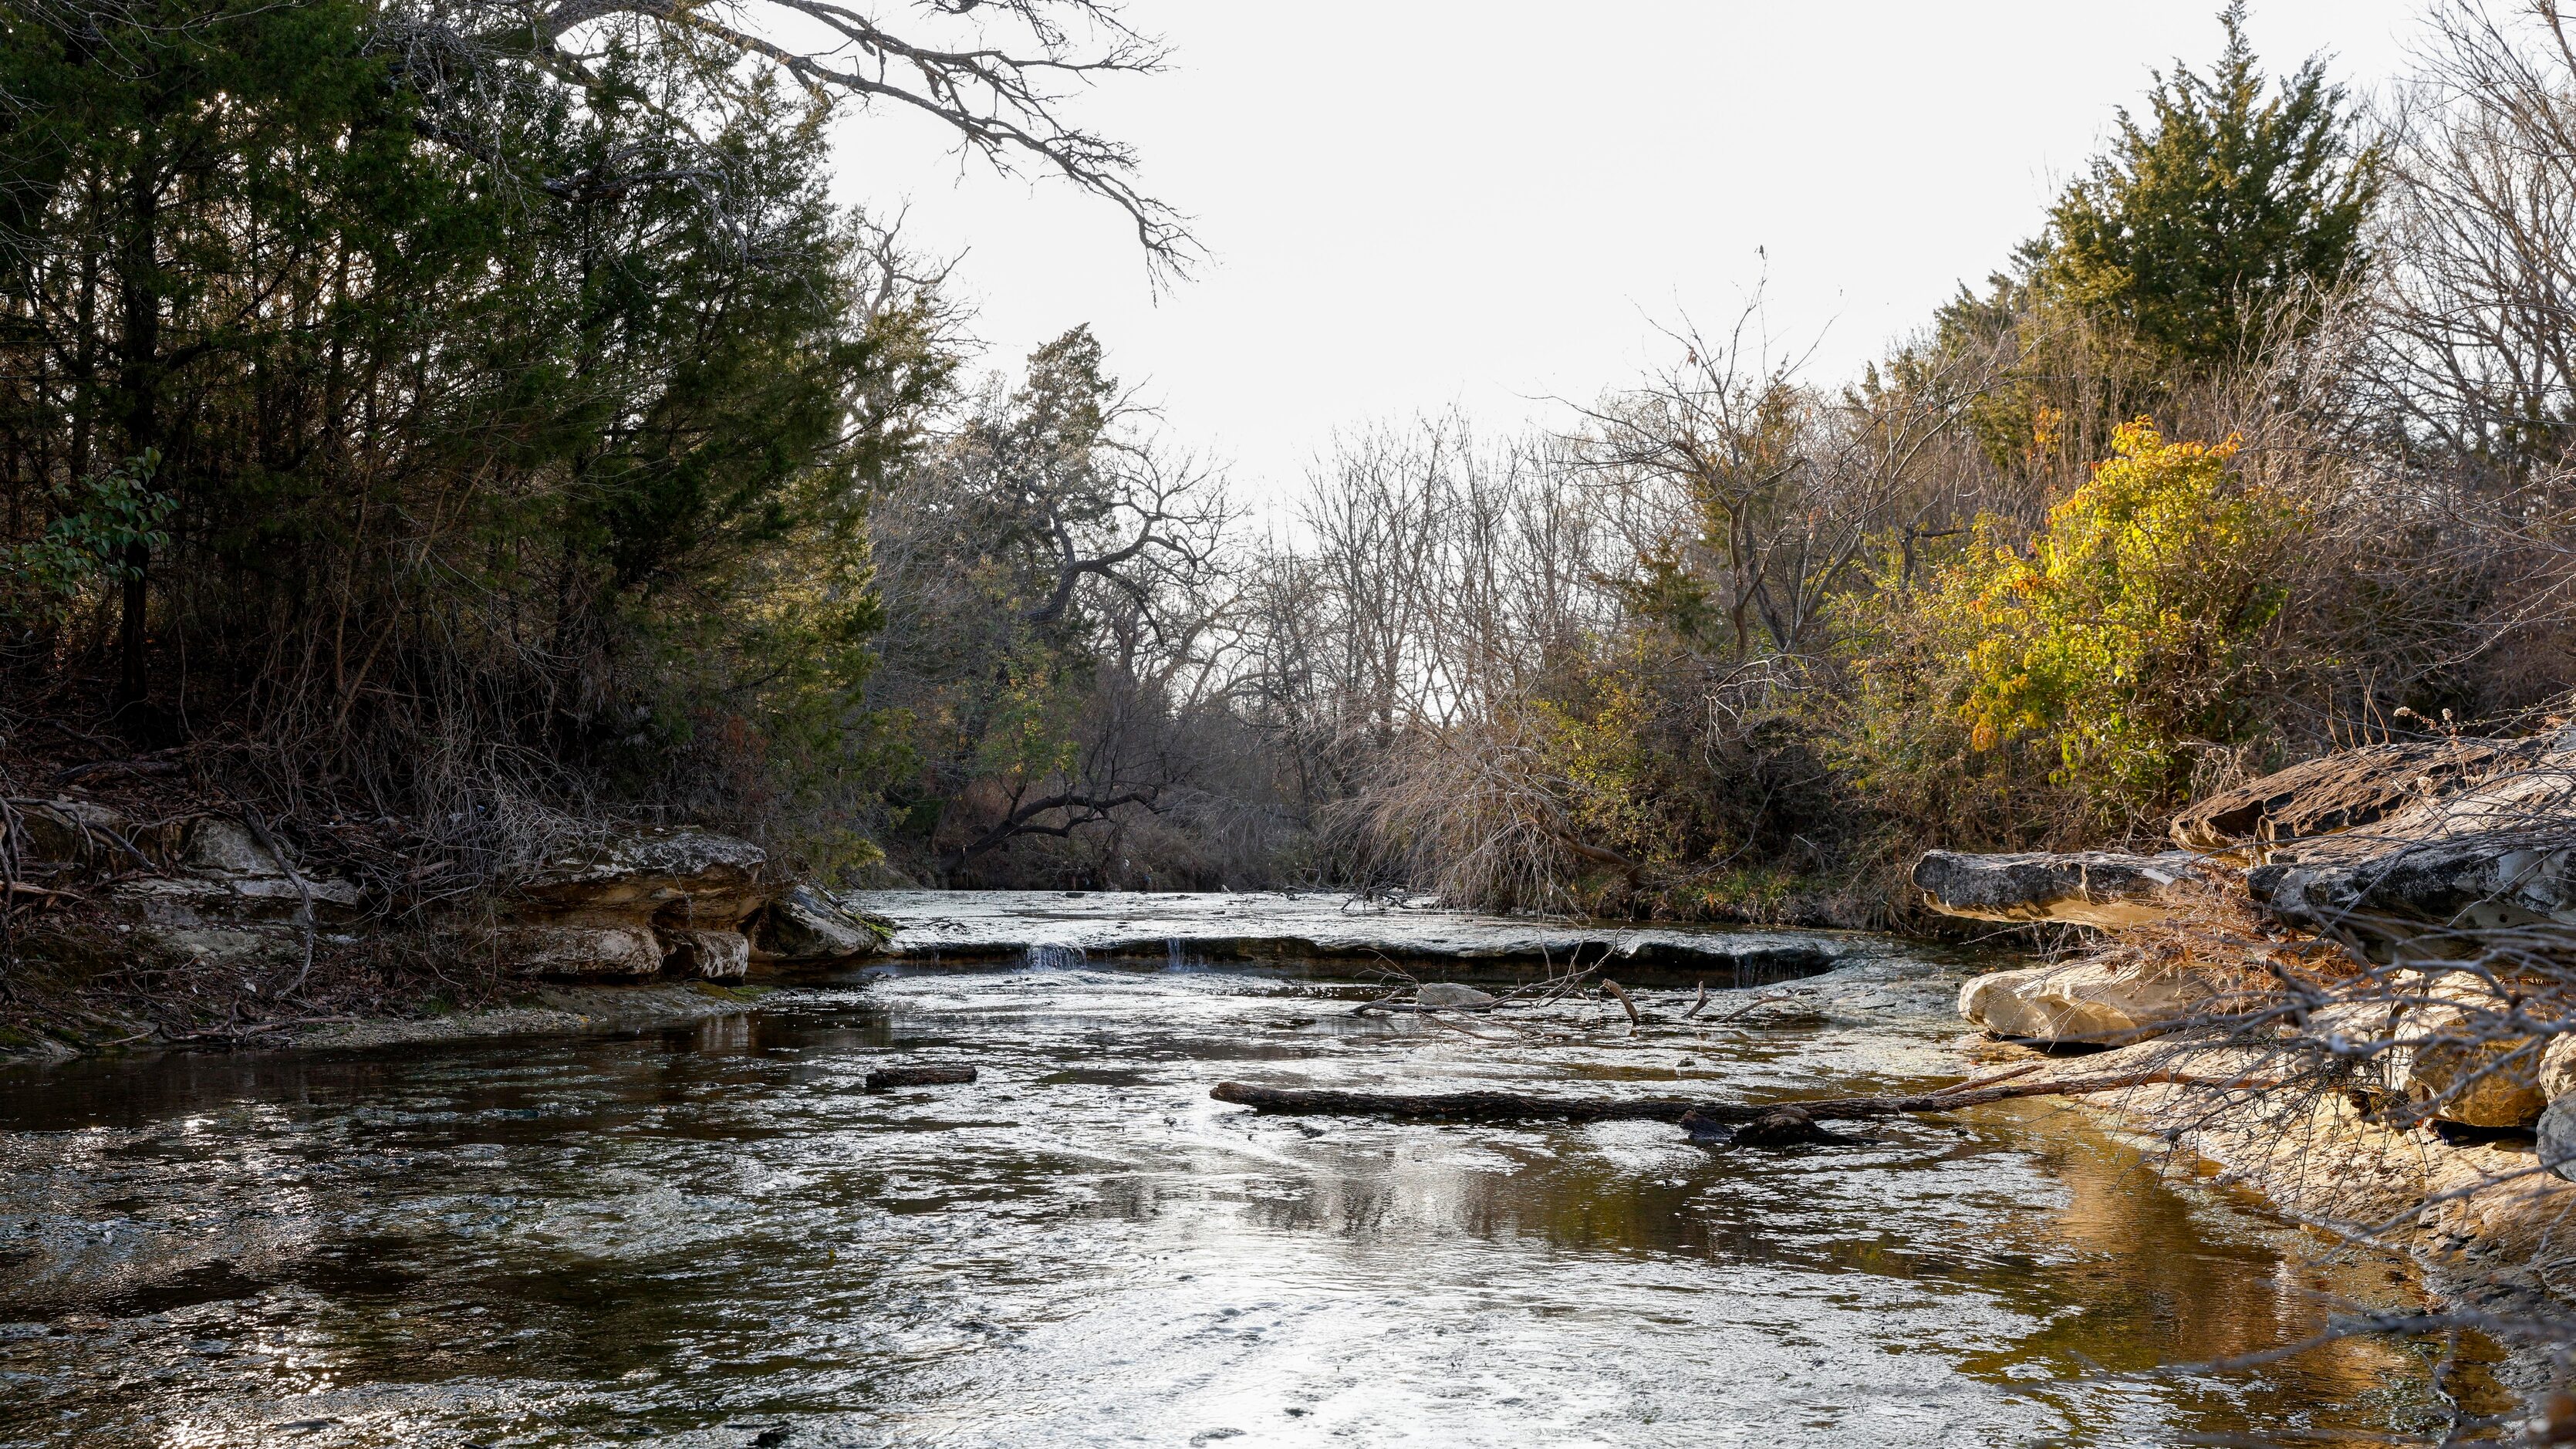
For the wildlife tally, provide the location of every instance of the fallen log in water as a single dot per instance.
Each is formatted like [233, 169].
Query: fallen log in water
[888, 1078]
[1450, 1106]
[1519, 1107]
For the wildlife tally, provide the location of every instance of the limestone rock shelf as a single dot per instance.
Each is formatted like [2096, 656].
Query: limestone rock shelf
[2448, 868]
[1222, 926]
[2088, 888]
[628, 904]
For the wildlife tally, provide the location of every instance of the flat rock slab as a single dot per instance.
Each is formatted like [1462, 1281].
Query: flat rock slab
[2434, 878]
[2084, 887]
[2345, 790]
[646, 870]
[1252, 925]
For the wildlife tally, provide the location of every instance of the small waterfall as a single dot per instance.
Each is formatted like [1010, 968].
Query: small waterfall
[1056, 958]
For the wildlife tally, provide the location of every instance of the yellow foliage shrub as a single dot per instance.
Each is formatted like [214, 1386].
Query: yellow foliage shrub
[2127, 634]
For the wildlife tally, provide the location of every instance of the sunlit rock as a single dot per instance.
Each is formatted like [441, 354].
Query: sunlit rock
[2089, 1002]
[2342, 791]
[2090, 887]
[2556, 1131]
[2463, 1056]
[2557, 1074]
[2440, 878]
[2457, 1076]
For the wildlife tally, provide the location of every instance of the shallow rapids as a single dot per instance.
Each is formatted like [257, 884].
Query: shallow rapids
[716, 1237]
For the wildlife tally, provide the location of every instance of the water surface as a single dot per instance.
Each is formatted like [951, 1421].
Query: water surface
[717, 1237]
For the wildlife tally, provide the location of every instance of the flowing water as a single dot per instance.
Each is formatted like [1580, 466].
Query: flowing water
[716, 1236]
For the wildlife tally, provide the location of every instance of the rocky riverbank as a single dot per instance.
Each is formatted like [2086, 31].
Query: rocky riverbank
[202, 926]
[2368, 964]
[1332, 926]
[149, 920]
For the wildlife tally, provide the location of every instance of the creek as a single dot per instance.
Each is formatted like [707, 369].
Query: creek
[716, 1236]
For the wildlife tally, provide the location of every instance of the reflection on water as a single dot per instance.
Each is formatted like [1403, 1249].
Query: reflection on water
[715, 1237]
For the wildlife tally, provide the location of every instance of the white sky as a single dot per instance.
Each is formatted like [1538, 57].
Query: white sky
[1414, 203]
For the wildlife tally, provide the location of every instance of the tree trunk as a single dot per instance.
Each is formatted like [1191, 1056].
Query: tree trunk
[133, 679]
[139, 359]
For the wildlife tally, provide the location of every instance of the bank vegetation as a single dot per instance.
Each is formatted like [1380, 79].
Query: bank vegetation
[455, 425]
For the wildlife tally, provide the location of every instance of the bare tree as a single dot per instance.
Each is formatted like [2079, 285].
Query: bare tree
[1759, 498]
[2477, 256]
[999, 75]
[1056, 599]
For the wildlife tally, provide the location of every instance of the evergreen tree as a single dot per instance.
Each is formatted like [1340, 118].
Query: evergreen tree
[2219, 206]
[553, 448]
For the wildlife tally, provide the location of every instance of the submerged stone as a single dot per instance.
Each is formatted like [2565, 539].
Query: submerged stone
[1787, 1125]
[1452, 994]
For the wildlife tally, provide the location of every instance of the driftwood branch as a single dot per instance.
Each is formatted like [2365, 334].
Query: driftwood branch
[1519, 1107]
[1619, 994]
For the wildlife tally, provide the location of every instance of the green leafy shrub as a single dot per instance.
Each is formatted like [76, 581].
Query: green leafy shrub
[2126, 637]
[85, 547]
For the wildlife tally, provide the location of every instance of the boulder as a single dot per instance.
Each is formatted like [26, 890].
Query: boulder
[2475, 1083]
[2557, 1075]
[714, 955]
[637, 902]
[2090, 888]
[2344, 790]
[2556, 1130]
[224, 877]
[2090, 1002]
[1451, 994]
[73, 835]
[2460, 1057]
[220, 847]
[803, 925]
